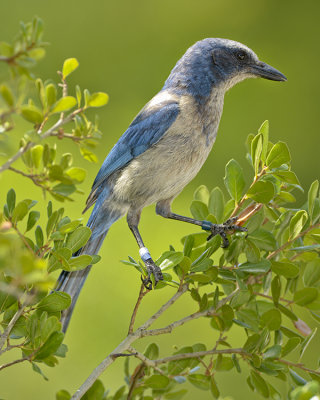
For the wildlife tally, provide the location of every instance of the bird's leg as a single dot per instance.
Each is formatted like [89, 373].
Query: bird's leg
[163, 208]
[152, 268]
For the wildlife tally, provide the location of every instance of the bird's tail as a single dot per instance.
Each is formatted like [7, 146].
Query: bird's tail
[72, 282]
[101, 218]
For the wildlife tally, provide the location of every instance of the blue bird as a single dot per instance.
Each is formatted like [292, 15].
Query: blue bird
[164, 148]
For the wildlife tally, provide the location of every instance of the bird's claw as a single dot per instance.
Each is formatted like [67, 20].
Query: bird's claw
[223, 229]
[152, 269]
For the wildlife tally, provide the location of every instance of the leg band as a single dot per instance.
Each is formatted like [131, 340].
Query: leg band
[144, 254]
[206, 225]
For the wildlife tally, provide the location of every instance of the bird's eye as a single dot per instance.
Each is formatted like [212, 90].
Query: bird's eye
[241, 55]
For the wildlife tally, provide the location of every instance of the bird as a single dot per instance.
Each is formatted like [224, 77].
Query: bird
[163, 149]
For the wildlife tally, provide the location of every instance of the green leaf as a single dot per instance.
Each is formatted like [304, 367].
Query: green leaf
[76, 174]
[64, 104]
[11, 200]
[152, 351]
[260, 267]
[169, 259]
[287, 312]
[271, 319]
[70, 226]
[263, 239]
[297, 378]
[39, 236]
[6, 301]
[286, 269]
[157, 382]
[261, 192]
[291, 344]
[216, 204]
[199, 210]
[305, 296]
[256, 150]
[214, 388]
[64, 189]
[32, 219]
[279, 154]
[297, 223]
[63, 395]
[272, 352]
[312, 194]
[69, 65]
[20, 211]
[96, 392]
[56, 301]
[287, 176]
[78, 238]
[98, 99]
[88, 155]
[264, 131]
[200, 381]
[7, 95]
[36, 155]
[311, 276]
[260, 384]
[234, 180]
[201, 194]
[50, 346]
[276, 289]
[80, 262]
[51, 94]
[32, 113]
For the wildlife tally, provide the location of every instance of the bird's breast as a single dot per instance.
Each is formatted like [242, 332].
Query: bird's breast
[169, 165]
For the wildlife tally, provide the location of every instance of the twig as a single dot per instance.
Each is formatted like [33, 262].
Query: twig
[11, 324]
[285, 245]
[270, 297]
[142, 293]
[244, 198]
[3, 366]
[198, 354]
[145, 360]
[46, 134]
[206, 313]
[124, 345]
[298, 365]
[32, 177]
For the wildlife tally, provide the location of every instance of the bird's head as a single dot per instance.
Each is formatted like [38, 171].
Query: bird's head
[220, 63]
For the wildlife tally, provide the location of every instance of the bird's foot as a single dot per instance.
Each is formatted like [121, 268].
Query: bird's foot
[222, 229]
[152, 269]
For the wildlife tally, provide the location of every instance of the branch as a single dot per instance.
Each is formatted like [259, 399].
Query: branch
[206, 313]
[48, 133]
[145, 360]
[142, 293]
[3, 366]
[298, 365]
[124, 345]
[32, 177]
[198, 354]
[285, 245]
[6, 332]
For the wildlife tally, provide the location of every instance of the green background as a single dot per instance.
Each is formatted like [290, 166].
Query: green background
[127, 48]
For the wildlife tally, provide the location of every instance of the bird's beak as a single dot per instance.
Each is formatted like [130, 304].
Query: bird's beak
[267, 72]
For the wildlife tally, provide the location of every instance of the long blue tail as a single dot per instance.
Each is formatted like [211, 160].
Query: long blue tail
[101, 218]
[72, 282]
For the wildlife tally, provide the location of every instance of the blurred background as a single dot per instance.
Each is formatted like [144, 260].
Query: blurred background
[127, 49]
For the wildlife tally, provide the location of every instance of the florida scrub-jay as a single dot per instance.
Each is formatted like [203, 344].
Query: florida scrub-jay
[164, 148]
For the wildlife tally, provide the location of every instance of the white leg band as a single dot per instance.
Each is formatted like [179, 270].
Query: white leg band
[144, 253]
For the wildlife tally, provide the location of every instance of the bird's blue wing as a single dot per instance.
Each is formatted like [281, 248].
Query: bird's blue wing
[145, 130]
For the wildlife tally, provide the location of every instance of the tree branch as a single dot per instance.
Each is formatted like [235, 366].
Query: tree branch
[11, 324]
[145, 360]
[46, 134]
[142, 293]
